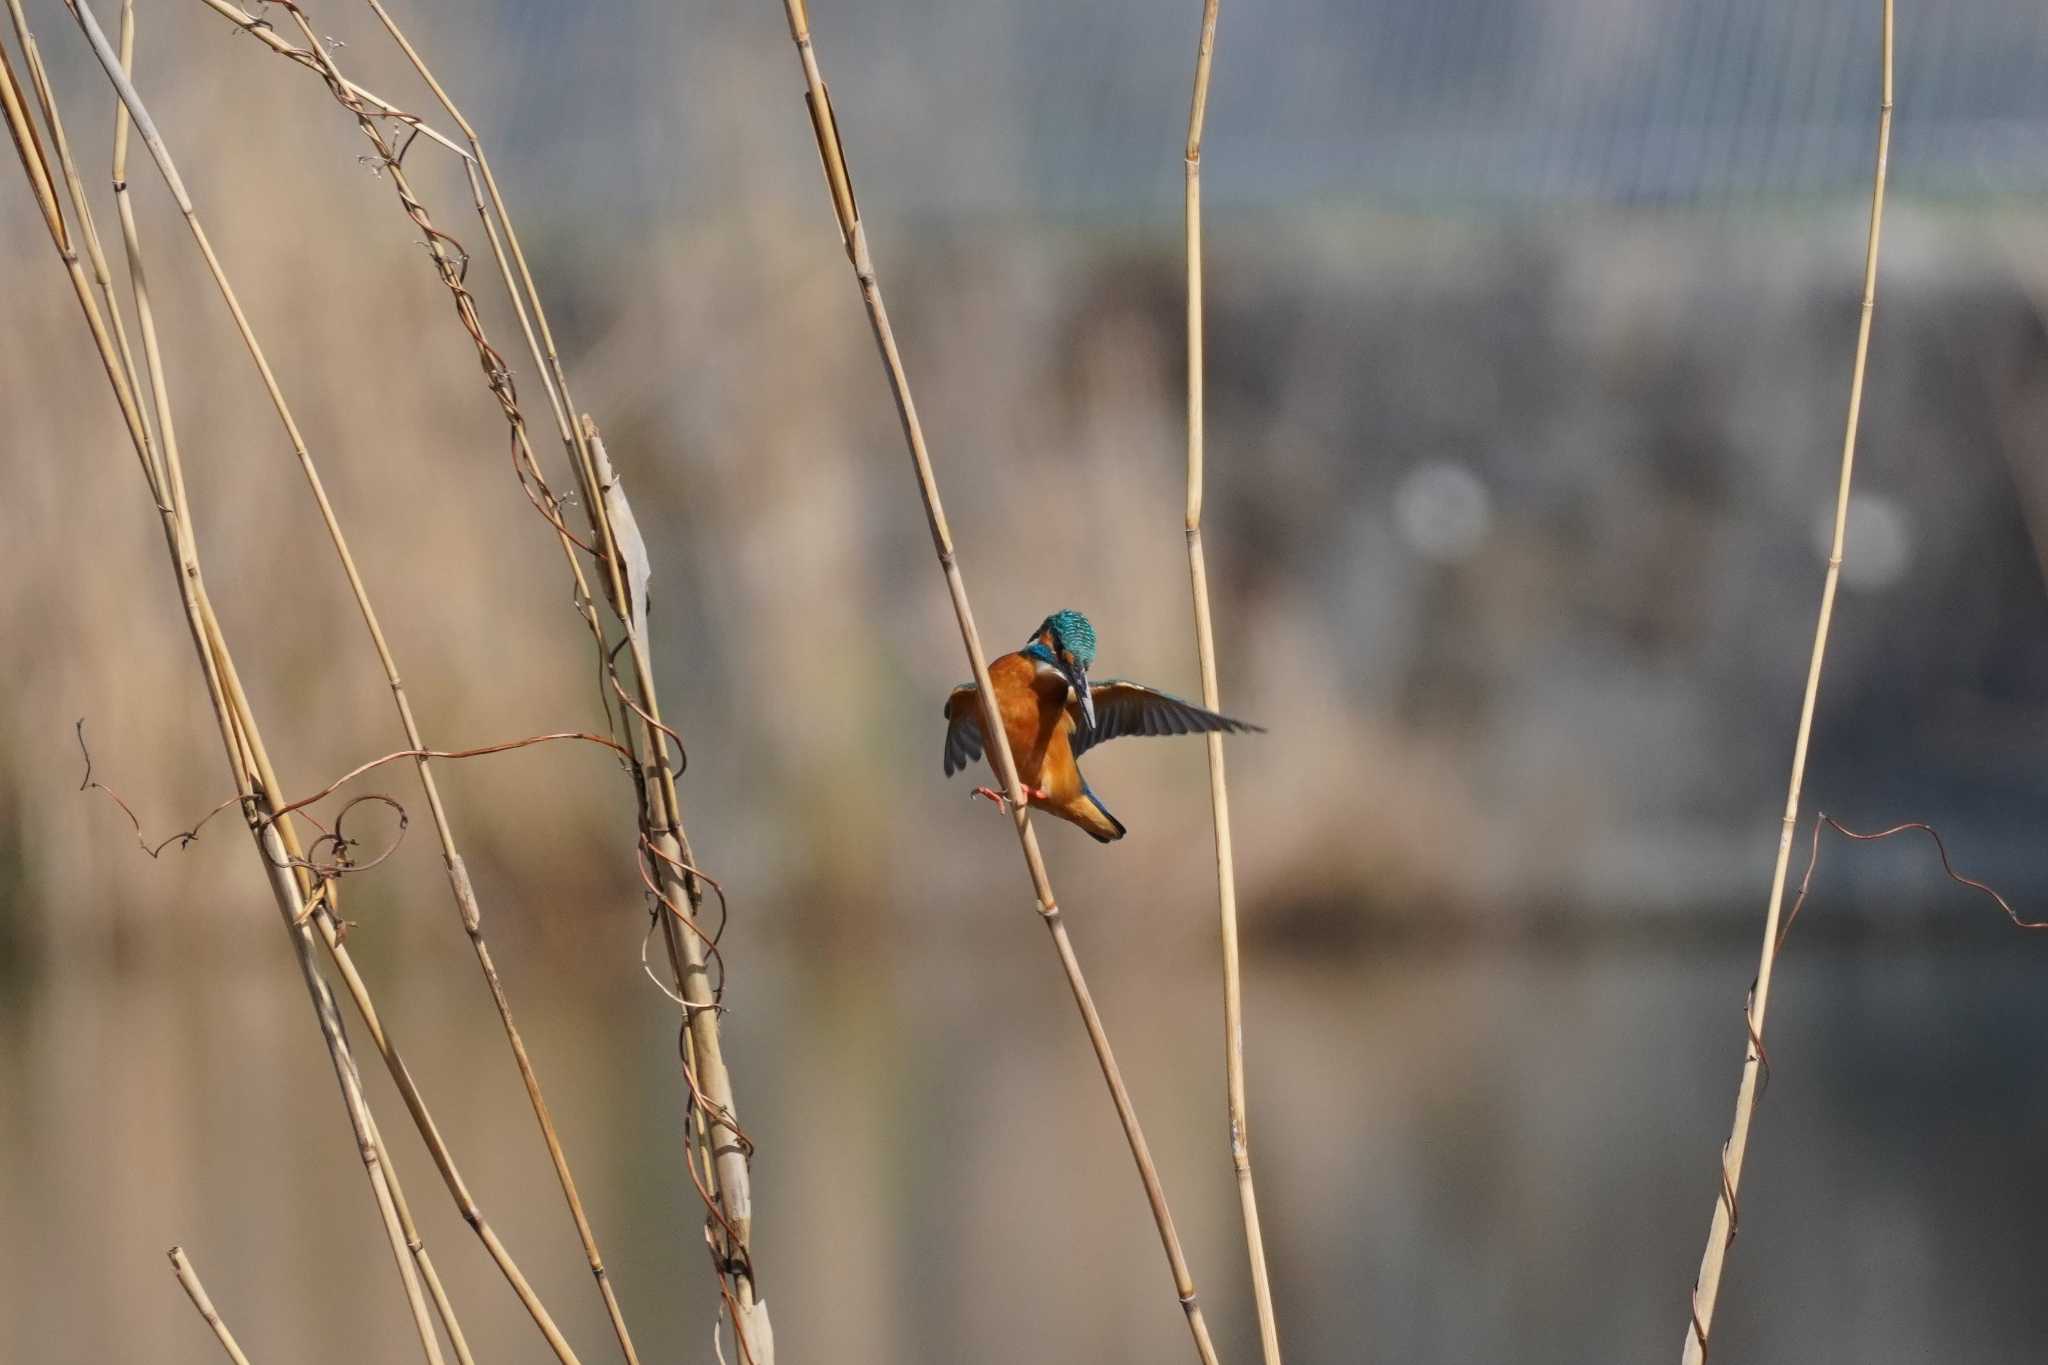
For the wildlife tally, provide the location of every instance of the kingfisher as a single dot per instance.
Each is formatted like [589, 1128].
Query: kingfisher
[1053, 715]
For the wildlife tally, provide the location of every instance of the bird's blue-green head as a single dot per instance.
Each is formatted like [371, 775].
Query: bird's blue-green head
[1066, 641]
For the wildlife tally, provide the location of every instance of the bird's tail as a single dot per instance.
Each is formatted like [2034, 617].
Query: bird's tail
[1097, 820]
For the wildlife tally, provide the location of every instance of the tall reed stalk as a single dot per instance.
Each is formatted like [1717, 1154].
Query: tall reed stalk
[1721, 1230]
[839, 184]
[1205, 650]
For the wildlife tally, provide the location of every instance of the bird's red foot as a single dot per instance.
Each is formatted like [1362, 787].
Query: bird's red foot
[1002, 801]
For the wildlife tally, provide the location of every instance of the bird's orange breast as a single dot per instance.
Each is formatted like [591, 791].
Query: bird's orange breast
[1035, 718]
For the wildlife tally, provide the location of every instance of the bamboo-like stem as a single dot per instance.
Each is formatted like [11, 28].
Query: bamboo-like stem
[1721, 1231]
[318, 914]
[275, 840]
[839, 184]
[181, 1265]
[1205, 651]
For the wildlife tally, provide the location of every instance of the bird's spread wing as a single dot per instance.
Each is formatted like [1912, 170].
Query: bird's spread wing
[963, 728]
[1128, 708]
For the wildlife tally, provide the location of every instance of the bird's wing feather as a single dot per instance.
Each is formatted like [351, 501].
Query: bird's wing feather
[1128, 708]
[963, 728]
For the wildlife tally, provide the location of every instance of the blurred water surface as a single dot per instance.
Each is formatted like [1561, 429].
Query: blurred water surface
[1465, 1155]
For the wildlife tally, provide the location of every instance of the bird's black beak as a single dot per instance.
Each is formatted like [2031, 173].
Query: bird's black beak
[1077, 676]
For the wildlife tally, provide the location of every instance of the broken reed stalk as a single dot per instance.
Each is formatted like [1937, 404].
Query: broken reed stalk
[1721, 1231]
[317, 901]
[719, 1152]
[1205, 650]
[287, 869]
[839, 184]
[181, 1264]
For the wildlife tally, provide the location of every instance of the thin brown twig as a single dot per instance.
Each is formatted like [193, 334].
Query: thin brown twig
[839, 183]
[183, 838]
[1822, 820]
[1721, 1228]
[343, 861]
[715, 960]
[188, 836]
[399, 755]
[264, 32]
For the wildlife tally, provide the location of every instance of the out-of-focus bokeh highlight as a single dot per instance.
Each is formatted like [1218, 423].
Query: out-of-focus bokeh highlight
[1529, 339]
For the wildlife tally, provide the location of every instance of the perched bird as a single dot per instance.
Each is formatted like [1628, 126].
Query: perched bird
[1053, 715]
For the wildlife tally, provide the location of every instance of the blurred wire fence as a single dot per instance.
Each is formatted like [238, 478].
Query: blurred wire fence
[1064, 107]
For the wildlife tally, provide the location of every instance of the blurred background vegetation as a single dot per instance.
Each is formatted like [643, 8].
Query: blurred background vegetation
[1529, 331]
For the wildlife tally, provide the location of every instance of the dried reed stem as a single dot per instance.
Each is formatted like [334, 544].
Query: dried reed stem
[317, 907]
[181, 1265]
[1219, 787]
[840, 185]
[1721, 1231]
[276, 840]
